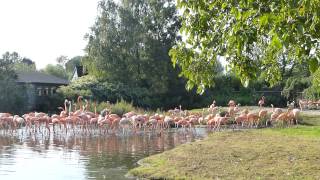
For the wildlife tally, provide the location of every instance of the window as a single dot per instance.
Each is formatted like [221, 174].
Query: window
[39, 90]
[53, 90]
[46, 91]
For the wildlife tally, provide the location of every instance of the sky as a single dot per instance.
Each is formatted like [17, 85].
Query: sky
[43, 30]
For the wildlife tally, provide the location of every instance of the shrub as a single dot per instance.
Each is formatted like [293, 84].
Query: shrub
[122, 107]
[311, 93]
[103, 105]
[294, 85]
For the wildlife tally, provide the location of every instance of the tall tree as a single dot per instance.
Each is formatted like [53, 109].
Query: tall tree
[12, 96]
[129, 44]
[254, 36]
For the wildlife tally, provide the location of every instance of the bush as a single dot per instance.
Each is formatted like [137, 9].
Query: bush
[80, 87]
[294, 85]
[122, 107]
[226, 88]
[311, 93]
[101, 106]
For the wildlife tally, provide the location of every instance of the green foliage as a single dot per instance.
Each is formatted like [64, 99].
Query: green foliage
[80, 87]
[313, 65]
[122, 107]
[276, 99]
[48, 104]
[13, 97]
[227, 87]
[93, 88]
[294, 85]
[316, 79]
[101, 106]
[128, 52]
[253, 36]
[71, 64]
[313, 92]
[24, 65]
[55, 70]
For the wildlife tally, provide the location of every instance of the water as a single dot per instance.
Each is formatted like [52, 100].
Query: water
[35, 156]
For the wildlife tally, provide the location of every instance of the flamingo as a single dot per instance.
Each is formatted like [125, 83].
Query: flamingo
[17, 121]
[261, 101]
[125, 123]
[293, 115]
[242, 117]
[231, 103]
[275, 113]
[284, 117]
[64, 111]
[252, 118]
[212, 107]
[202, 119]
[168, 120]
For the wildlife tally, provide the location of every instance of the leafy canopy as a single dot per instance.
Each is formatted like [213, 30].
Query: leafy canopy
[129, 43]
[12, 95]
[128, 46]
[255, 36]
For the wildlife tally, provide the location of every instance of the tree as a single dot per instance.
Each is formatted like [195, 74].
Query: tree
[25, 65]
[19, 63]
[12, 96]
[255, 37]
[62, 60]
[129, 44]
[72, 63]
[55, 70]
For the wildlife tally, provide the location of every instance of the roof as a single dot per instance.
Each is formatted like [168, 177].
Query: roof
[37, 77]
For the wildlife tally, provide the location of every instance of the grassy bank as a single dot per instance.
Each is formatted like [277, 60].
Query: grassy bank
[287, 153]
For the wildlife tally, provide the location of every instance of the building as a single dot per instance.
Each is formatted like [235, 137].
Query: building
[78, 71]
[40, 87]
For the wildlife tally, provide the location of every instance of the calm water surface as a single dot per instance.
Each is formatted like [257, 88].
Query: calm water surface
[82, 157]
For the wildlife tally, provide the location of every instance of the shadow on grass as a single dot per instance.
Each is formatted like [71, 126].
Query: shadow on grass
[306, 124]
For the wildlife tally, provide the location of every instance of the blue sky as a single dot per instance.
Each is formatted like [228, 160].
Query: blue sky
[42, 30]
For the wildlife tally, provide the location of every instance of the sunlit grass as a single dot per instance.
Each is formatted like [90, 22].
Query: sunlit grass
[306, 131]
[252, 154]
[270, 153]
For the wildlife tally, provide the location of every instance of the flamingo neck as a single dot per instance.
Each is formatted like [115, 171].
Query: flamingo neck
[65, 106]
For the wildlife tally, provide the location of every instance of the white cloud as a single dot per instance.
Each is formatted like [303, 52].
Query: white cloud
[42, 30]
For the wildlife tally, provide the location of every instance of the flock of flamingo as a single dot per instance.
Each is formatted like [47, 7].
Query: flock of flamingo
[308, 104]
[84, 121]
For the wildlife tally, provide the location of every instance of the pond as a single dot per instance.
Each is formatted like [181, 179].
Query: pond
[56, 156]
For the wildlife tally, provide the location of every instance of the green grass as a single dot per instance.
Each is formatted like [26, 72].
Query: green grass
[305, 131]
[310, 127]
[273, 153]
